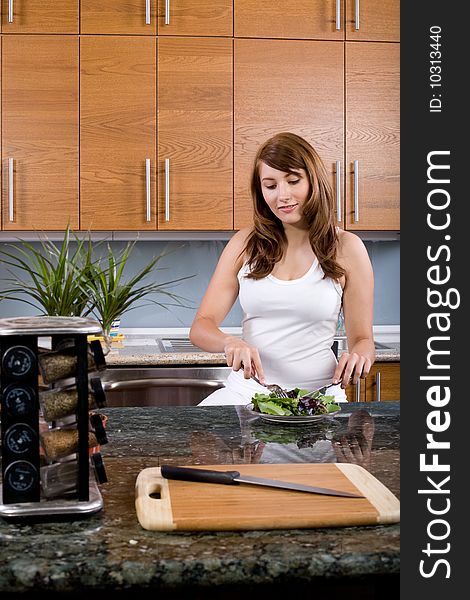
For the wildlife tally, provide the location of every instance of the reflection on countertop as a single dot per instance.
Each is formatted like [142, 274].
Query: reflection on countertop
[110, 551]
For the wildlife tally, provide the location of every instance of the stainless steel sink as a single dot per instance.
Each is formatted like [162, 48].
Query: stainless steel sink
[165, 386]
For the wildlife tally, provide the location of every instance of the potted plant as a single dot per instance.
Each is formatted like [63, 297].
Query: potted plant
[65, 281]
[111, 294]
[52, 277]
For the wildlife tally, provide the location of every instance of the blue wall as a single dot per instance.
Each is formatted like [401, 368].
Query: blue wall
[199, 258]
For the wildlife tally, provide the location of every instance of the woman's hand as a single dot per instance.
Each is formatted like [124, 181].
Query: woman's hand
[351, 367]
[240, 355]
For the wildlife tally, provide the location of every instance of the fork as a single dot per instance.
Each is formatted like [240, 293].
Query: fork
[273, 387]
[322, 390]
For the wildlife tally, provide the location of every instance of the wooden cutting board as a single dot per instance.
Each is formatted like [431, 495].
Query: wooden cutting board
[169, 505]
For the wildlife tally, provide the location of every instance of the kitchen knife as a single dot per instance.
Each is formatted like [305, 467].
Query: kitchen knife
[234, 478]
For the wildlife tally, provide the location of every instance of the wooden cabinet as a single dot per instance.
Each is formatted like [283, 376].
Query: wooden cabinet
[40, 132]
[296, 19]
[304, 94]
[358, 20]
[383, 382]
[133, 17]
[373, 20]
[313, 69]
[195, 162]
[117, 132]
[372, 136]
[285, 85]
[40, 16]
[195, 17]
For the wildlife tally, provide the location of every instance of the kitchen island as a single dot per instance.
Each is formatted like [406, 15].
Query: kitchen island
[110, 551]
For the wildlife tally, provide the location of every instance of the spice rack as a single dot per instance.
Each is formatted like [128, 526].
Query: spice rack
[69, 362]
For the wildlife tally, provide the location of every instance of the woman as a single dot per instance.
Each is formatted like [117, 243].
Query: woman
[293, 271]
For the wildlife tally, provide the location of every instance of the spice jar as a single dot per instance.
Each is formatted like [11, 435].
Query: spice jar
[63, 364]
[63, 441]
[61, 478]
[61, 402]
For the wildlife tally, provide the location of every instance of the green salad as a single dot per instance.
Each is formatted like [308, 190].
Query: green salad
[299, 403]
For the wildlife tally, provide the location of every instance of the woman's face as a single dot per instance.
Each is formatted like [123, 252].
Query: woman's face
[285, 193]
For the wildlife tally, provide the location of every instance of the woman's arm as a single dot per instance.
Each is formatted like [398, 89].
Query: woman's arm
[358, 310]
[218, 299]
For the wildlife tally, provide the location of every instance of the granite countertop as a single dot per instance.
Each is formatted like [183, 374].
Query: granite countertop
[110, 551]
[130, 353]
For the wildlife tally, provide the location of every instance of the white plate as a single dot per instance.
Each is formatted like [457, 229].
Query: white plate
[291, 419]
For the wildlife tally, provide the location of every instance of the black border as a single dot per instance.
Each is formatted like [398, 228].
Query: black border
[422, 132]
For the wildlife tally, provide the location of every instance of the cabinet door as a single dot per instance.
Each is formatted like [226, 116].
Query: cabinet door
[357, 392]
[383, 382]
[117, 132]
[373, 20]
[133, 17]
[285, 85]
[373, 136]
[195, 17]
[297, 19]
[40, 16]
[40, 132]
[195, 171]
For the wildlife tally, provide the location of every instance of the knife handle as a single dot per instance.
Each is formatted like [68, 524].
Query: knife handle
[201, 475]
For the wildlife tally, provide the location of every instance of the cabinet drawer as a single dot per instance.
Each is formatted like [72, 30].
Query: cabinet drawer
[369, 20]
[38, 16]
[133, 17]
[195, 17]
[383, 382]
[294, 19]
[356, 393]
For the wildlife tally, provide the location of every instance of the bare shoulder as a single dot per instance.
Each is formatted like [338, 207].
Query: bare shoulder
[233, 251]
[351, 249]
[240, 237]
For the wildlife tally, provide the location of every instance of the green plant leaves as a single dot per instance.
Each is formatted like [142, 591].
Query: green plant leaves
[52, 278]
[111, 295]
[66, 281]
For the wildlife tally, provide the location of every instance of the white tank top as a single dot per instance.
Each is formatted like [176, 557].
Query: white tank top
[292, 324]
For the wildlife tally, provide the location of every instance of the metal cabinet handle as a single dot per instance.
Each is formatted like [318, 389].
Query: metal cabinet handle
[147, 188]
[147, 12]
[377, 383]
[10, 11]
[167, 189]
[356, 191]
[356, 4]
[338, 191]
[338, 14]
[358, 391]
[167, 12]
[11, 212]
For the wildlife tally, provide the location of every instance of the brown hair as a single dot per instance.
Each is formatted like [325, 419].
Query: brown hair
[266, 244]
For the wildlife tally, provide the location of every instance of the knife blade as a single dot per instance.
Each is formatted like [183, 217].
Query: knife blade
[235, 478]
